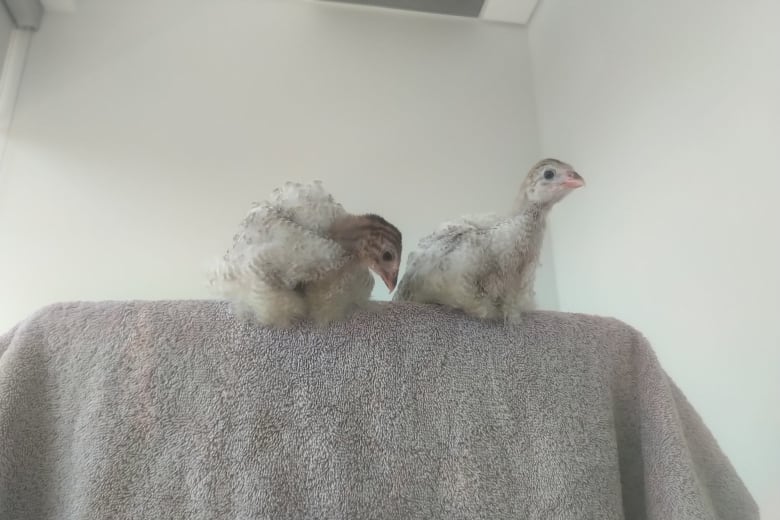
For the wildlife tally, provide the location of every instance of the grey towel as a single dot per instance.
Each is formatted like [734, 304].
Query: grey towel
[167, 410]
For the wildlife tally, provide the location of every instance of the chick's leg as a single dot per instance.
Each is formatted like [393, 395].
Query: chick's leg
[482, 308]
[475, 295]
[272, 306]
[337, 297]
[517, 303]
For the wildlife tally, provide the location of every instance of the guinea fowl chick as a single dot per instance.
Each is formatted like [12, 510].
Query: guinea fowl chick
[486, 265]
[299, 255]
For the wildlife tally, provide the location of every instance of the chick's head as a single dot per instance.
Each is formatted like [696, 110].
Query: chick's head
[550, 180]
[381, 250]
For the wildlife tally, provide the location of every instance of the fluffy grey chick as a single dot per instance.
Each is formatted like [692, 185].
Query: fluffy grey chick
[486, 265]
[299, 255]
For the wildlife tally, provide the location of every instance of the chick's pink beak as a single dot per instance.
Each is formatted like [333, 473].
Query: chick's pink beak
[573, 180]
[390, 279]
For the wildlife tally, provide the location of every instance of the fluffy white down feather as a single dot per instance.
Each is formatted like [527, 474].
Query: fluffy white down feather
[282, 268]
[485, 265]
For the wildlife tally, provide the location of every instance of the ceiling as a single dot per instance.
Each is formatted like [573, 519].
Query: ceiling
[509, 11]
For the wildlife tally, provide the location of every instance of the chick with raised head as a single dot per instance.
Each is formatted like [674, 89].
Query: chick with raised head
[486, 265]
[300, 256]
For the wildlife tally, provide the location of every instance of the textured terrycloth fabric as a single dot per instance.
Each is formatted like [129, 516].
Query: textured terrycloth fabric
[166, 410]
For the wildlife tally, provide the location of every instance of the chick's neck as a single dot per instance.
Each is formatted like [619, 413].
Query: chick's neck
[523, 231]
[532, 211]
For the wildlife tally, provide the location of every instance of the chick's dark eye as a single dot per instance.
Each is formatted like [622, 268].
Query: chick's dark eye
[388, 256]
[549, 174]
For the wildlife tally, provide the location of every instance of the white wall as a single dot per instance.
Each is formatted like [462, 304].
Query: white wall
[671, 111]
[144, 129]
